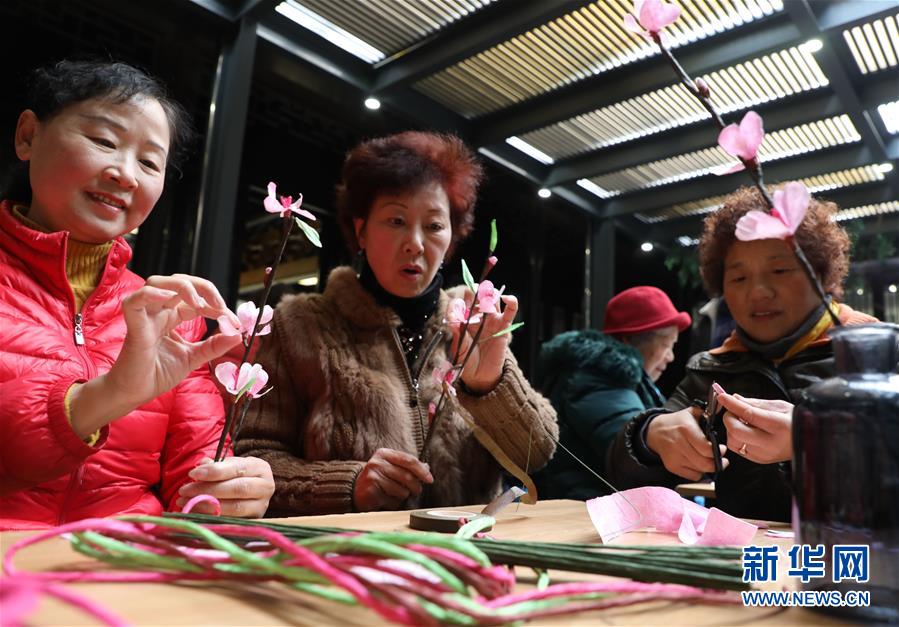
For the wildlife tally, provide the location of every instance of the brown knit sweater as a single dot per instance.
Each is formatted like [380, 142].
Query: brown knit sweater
[342, 390]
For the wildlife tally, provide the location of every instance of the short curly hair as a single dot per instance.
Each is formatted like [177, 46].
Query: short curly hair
[404, 163]
[823, 241]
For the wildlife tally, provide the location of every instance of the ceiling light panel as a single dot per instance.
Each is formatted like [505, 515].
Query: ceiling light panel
[359, 26]
[815, 184]
[682, 210]
[868, 211]
[771, 77]
[777, 145]
[874, 45]
[889, 113]
[580, 44]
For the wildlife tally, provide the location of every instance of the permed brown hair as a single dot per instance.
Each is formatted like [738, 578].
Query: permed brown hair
[404, 163]
[823, 241]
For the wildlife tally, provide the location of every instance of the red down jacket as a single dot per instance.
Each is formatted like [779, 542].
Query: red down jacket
[49, 476]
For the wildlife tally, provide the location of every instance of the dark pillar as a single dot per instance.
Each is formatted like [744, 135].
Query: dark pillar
[535, 311]
[599, 282]
[216, 215]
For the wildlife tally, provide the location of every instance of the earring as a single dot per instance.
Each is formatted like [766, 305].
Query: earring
[359, 262]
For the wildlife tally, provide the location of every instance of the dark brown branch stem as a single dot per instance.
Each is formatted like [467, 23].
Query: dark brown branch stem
[423, 454]
[753, 167]
[228, 429]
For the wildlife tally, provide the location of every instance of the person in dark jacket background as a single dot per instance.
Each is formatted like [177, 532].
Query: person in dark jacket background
[598, 381]
[780, 347]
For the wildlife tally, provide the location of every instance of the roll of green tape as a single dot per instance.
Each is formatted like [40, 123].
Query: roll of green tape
[440, 520]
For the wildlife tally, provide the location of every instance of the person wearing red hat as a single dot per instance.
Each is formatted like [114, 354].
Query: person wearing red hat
[597, 381]
[645, 318]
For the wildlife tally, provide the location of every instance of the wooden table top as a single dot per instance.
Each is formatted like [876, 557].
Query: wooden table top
[271, 604]
[705, 489]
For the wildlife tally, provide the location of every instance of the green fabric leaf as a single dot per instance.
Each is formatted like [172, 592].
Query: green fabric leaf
[466, 276]
[494, 236]
[311, 234]
[509, 329]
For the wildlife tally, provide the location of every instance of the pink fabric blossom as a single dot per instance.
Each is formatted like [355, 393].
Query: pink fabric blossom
[226, 327]
[790, 205]
[445, 373]
[457, 312]
[488, 297]
[651, 17]
[235, 381]
[741, 141]
[247, 314]
[285, 206]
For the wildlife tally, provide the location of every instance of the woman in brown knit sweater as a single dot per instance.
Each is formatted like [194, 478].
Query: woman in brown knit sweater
[348, 416]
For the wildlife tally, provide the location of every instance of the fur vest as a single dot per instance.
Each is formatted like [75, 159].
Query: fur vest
[342, 390]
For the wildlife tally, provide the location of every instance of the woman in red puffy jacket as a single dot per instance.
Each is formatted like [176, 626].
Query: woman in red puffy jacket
[106, 405]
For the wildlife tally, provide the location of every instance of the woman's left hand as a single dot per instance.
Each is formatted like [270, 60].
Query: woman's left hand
[484, 369]
[760, 430]
[243, 486]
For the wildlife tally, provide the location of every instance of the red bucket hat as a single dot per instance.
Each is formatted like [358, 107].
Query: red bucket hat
[642, 308]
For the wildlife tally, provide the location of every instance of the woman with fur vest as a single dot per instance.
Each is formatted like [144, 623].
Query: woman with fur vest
[599, 381]
[346, 421]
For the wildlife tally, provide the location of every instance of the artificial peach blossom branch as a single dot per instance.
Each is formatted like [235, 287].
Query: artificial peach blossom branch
[459, 314]
[286, 207]
[653, 16]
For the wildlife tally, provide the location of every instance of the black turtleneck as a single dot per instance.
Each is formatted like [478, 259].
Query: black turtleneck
[413, 311]
[778, 348]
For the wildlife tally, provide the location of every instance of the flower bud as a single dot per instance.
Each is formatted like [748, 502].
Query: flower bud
[702, 87]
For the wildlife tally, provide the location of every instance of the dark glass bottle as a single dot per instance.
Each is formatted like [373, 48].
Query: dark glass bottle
[846, 464]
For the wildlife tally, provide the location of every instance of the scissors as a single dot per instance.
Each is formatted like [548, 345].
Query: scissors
[711, 410]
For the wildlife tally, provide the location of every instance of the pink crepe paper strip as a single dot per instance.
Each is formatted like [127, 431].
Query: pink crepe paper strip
[668, 512]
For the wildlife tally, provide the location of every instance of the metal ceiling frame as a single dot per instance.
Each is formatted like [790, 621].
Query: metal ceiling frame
[797, 167]
[801, 13]
[634, 79]
[782, 113]
[392, 81]
[846, 197]
[463, 38]
[806, 107]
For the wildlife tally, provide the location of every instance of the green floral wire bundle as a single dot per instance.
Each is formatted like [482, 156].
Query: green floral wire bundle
[406, 578]
[702, 566]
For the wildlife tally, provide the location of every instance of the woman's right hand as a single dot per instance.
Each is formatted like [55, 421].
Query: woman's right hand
[388, 479]
[154, 358]
[680, 442]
